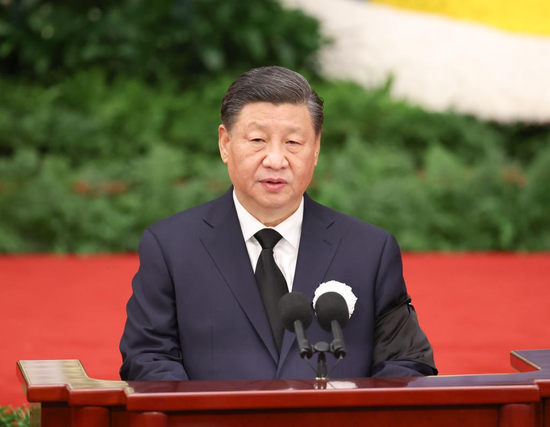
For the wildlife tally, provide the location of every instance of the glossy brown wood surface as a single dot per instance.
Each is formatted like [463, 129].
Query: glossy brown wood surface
[62, 395]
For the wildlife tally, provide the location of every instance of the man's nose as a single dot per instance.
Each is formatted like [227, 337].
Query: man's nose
[275, 157]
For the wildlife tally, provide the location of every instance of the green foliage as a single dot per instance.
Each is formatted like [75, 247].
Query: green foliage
[448, 204]
[152, 40]
[536, 202]
[91, 176]
[88, 163]
[109, 115]
[376, 118]
[10, 417]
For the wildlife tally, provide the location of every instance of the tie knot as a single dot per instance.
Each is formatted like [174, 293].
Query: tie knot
[268, 238]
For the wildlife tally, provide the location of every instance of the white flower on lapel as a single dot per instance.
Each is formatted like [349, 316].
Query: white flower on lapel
[339, 287]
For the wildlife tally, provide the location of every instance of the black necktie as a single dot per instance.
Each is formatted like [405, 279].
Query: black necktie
[271, 281]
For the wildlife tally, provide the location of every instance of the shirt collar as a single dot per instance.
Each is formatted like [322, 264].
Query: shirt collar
[290, 228]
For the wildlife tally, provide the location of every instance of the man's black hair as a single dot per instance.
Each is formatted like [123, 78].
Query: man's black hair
[276, 85]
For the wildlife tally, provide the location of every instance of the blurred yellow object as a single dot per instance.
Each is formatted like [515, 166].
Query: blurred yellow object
[525, 16]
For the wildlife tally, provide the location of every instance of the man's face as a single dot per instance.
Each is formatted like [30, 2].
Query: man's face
[271, 154]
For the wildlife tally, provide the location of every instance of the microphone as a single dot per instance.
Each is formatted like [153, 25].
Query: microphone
[333, 314]
[295, 311]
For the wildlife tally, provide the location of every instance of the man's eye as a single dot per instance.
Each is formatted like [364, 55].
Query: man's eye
[257, 140]
[293, 142]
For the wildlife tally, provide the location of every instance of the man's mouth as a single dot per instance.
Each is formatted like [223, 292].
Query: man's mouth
[274, 181]
[273, 184]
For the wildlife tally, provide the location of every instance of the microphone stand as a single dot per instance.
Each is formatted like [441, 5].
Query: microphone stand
[321, 348]
[321, 373]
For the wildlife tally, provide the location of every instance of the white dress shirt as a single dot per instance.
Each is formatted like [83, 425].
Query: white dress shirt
[285, 251]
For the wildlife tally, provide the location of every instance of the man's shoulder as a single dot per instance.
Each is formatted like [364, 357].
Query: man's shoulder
[346, 223]
[189, 219]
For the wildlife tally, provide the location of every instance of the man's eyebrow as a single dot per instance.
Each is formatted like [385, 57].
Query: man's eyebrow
[257, 125]
[294, 129]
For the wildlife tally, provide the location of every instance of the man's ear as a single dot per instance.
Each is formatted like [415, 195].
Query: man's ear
[223, 142]
[317, 148]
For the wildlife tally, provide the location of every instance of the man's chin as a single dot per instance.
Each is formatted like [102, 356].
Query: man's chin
[273, 206]
[284, 206]
[275, 201]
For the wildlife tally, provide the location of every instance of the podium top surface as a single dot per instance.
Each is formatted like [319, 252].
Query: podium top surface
[67, 381]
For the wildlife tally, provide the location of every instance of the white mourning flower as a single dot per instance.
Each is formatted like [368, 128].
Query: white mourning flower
[338, 287]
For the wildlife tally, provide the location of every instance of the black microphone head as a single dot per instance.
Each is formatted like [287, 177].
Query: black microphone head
[331, 306]
[295, 306]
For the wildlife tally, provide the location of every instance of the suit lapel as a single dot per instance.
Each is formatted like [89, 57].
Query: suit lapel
[227, 248]
[318, 245]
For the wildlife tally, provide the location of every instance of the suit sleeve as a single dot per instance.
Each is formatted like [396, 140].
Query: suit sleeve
[401, 348]
[150, 345]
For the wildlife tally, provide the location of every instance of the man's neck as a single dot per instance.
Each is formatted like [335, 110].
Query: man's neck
[275, 222]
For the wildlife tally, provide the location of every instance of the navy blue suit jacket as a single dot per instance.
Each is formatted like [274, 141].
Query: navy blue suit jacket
[196, 311]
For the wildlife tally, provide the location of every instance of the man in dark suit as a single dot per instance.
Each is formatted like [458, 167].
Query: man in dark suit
[204, 298]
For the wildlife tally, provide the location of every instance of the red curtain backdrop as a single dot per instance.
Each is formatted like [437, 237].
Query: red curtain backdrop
[475, 309]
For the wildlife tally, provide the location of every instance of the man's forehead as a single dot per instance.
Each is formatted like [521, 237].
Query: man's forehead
[264, 115]
[266, 126]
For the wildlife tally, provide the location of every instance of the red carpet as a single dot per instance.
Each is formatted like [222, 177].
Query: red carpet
[475, 308]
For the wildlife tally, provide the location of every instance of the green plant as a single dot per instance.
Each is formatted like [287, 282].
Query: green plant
[87, 163]
[10, 417]
[446, 204]
[184, 39]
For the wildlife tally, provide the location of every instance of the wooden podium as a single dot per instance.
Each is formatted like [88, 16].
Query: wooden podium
[62, 394]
